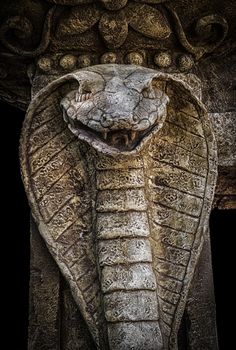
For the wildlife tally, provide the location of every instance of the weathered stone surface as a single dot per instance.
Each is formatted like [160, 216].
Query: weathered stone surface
[50, 28]
[225, 130]
[74, 331]
[113, 4]
[200, 308]
[133, 277]
[125, 234]
[122, 334]
[224, 125]
[44, 321]
[114, 252]
[225, 197]
[78, 20]
[41, 41]
[130, 224]
[54, 320]
[114, 29]
[127, 307]
[153, 24]
[127, 200]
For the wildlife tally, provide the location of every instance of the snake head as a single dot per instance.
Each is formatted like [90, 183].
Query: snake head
[115, 109]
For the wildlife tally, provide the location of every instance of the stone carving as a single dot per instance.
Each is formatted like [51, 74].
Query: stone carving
[204, 29]
[147, 18]
[22, 28]
[152, 169]
[122, 195]
[166, 35]
[114, 26]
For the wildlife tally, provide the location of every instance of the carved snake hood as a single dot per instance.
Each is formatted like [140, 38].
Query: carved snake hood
[123, 200]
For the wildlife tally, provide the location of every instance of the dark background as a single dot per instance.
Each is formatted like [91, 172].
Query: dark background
[15, 247]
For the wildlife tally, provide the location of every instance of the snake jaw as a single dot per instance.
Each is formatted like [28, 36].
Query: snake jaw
[114, 141]
[117, 139]
[116, 116]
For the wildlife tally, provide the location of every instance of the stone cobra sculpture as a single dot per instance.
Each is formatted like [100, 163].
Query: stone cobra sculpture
[119, 164]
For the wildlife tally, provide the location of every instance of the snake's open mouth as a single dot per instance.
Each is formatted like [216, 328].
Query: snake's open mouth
[122, 140]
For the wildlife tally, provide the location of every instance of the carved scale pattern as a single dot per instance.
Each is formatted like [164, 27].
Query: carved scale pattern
[157, 211]
[125, 253]
[58, 185]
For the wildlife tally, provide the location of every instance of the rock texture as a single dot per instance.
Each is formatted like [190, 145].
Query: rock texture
[41, 41]
[224, 125]
[123, 216]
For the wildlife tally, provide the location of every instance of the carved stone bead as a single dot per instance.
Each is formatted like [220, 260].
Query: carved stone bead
[45, 64]
[135, 58]
[109, 57]
[163, 59]
[84, 61]
[68, 62]
[185, 62]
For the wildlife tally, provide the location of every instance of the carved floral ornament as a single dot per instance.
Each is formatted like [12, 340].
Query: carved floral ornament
[114, 26]
[77, 23]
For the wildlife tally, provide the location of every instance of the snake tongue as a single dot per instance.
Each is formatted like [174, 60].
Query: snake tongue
[120, 138]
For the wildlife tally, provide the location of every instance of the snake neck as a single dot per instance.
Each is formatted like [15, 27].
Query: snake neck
[124, 256]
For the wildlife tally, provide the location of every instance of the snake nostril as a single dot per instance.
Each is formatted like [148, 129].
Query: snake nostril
[135, 118]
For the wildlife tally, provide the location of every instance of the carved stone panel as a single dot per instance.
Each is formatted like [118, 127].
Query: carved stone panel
[119, 164]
